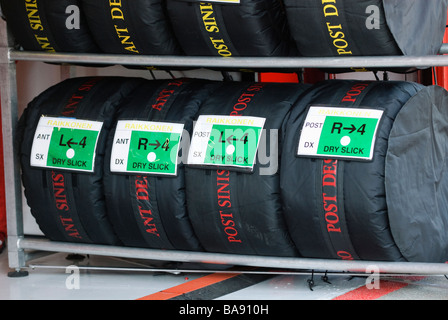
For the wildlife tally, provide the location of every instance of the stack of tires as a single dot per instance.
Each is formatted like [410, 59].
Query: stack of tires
[367, 27]
[49, 25]
[151, 27]
[340, 170]
[149, 209]
[247, 28]
[388, 205]
[69, 204]
[131, 27]
[259, 28]
[238, 209]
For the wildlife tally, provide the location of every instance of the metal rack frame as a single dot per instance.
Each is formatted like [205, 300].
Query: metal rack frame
[22, 248]
[236, 62]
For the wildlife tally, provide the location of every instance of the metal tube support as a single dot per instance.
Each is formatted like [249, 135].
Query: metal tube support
[444, 49]
[238, 260]
[9, 113]
[237, 62]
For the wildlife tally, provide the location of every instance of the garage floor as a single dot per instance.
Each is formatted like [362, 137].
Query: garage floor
[65, 277]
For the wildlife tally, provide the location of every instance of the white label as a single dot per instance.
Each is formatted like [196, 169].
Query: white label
[225, 141]
[146, 147]
[65, 143]
[339, 132]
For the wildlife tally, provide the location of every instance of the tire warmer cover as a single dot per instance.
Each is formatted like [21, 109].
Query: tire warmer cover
[417, 156]
[68, 205]
[419, 27]
[367, 27]
[250, 28]
[347, 27]
[343, 209]
[131, 27]
[146, 210]
[237, 212]
[41, 25]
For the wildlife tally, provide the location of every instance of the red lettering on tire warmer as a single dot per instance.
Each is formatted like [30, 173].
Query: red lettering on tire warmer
[145, 216]
[61, 204]
[58, 179]
[333, 213]
[332, 210]
[223, 176]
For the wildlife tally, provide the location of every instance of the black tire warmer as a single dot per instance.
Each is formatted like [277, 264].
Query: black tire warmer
[367, 27]
[45, 25]
[391, 208]
[149, 210]
[69, 205]
[250, 28]
[235, 211]
[131, 27]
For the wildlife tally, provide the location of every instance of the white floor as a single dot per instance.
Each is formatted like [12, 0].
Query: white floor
[52, 278]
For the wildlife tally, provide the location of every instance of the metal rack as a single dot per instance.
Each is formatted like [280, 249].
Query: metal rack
[235, 62]
[22, 248]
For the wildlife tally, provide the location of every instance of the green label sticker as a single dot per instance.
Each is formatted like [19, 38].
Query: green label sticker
[146, 147]
[226, 141]
[63, 143]
[348, 133]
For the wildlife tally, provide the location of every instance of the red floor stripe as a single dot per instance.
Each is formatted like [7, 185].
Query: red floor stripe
[363, 293]
[189, 286]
